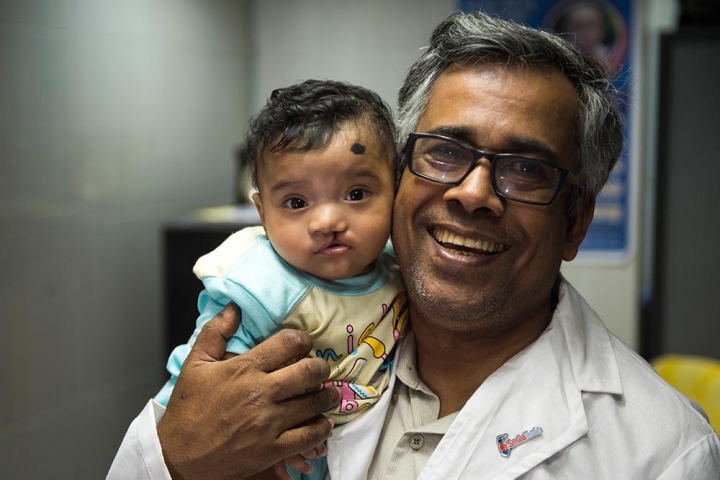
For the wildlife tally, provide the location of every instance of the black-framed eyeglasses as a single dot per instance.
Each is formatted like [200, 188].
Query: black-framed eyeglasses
[516, 177]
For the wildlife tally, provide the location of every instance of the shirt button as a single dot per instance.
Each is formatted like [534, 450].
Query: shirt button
[417, 441]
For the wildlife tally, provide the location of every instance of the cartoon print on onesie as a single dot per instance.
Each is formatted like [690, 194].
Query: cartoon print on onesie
[371, 349]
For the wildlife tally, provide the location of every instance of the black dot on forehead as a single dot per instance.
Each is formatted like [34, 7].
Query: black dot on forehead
[357, 148]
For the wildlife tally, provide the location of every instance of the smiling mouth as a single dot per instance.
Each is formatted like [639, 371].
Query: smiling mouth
[466, 246]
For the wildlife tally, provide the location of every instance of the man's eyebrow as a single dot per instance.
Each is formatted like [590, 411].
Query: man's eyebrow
[515, 143]
[464, 134]
[533, 146]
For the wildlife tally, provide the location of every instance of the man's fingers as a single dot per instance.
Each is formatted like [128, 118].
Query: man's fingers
[320, 451]
[281, 348]
[306, 437]
[267, 414]
[311, 454]
[307, 409]
[212, 340]
[300, 377]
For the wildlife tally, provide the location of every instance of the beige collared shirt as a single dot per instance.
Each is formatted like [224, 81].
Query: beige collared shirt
[412, 429]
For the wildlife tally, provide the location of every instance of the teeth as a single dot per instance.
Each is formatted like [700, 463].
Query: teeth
[444, 236]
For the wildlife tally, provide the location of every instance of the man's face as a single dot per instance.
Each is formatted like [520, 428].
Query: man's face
[473, 261]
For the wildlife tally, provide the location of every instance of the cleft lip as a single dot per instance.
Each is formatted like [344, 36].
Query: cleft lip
[333, 243]
[466, 244]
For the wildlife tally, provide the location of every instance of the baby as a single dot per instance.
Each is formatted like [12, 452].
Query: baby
[322, 158]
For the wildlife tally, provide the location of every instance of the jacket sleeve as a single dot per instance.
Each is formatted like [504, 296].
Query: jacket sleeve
[140, 455]
[255, 326]
[700, 462]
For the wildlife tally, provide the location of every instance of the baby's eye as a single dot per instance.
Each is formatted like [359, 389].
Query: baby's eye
[295, 203]
[356, 195]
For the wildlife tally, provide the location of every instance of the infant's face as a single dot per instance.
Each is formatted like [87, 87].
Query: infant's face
[328, 211]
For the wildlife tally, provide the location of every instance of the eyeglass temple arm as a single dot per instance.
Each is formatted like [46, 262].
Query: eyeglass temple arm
[573, 179]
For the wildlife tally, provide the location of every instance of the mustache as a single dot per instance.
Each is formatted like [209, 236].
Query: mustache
[484, 223]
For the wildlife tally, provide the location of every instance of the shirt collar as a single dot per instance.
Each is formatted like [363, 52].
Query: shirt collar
[588, 343]
[407, 371]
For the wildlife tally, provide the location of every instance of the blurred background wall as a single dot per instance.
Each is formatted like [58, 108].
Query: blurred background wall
[116, 117]
[113, 117]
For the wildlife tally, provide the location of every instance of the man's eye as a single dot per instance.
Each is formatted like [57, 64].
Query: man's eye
[447, 152]
[522, 168]
[295, 203]
[356, 195]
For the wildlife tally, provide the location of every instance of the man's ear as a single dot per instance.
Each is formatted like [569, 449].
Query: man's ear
[258, 205]
[578, 226]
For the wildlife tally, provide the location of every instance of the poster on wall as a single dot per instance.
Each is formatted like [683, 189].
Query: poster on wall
[601, 28]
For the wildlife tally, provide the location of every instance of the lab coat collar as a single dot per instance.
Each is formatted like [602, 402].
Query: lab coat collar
[540, 388]
[588, 342]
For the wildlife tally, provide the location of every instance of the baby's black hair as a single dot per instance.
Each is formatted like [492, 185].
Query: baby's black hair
[305, 116]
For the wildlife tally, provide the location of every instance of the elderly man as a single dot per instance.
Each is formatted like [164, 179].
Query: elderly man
[509, 134]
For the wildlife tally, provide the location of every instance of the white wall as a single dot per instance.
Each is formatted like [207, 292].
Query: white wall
[114, 116]
[368, 42]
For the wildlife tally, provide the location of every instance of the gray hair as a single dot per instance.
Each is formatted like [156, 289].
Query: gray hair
[478, 38]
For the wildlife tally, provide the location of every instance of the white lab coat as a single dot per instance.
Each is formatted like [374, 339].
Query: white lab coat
[603, 411]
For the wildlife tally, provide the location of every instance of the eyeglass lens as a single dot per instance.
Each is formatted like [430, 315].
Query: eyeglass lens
[514, 176]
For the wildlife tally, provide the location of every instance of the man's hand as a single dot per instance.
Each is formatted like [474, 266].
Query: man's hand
[235, 417]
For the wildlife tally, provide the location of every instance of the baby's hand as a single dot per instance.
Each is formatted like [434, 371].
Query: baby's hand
[298, 462]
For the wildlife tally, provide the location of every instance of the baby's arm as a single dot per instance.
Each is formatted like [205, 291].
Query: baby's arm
[211, 302]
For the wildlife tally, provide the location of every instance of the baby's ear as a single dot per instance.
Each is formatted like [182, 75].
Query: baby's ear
[258, 204]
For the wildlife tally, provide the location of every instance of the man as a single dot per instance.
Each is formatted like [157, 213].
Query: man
[507, 372]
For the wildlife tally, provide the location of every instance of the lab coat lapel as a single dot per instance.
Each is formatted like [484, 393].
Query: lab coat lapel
[517, 398]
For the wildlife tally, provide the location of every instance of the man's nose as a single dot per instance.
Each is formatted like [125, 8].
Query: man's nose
[327, 218]
[476, 191]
